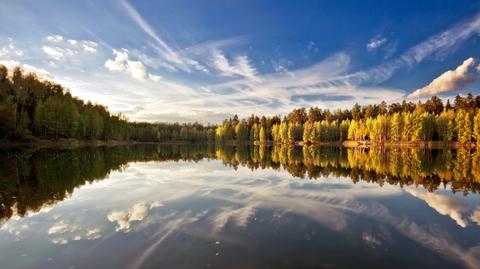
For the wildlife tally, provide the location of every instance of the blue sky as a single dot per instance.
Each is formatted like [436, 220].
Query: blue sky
[207, 60]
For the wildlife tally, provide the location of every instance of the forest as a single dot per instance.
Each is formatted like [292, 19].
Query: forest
[404, 122]
[31, 108]
[35, 109]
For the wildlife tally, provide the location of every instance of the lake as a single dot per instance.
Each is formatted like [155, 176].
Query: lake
[174, 206]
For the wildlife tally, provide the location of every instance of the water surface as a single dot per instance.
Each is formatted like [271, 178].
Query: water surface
[246, 207]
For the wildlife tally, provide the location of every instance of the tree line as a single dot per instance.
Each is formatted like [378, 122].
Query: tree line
[31, 108]
[404, 122]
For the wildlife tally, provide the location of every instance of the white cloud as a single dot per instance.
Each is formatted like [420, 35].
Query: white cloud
[375, 43]
[457, 79]
[41, 72]
[70, 49]
[136, 69]
[154, 77]
[54, 38]
[239, 67]
[10, 50]
[120, 61]
[54, 52]
[90, 47]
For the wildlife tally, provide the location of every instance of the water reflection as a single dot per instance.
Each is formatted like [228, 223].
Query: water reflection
[144, 214]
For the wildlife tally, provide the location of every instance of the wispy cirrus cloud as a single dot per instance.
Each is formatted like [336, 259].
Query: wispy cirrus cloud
[437, 45]
[171, 55]
[375, 43]
[240, 66]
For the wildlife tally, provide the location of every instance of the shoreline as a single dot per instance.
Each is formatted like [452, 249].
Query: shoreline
[74, 143]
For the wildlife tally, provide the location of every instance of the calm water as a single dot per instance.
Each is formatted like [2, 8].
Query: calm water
[205, 207]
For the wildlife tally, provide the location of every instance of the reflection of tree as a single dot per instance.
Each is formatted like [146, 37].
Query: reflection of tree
[30, 180]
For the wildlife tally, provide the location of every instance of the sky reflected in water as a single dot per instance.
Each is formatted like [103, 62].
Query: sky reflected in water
[207, 215]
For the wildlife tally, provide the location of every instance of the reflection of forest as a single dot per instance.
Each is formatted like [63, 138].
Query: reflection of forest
[30, 180]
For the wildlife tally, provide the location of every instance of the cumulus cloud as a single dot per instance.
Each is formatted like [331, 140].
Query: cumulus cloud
[10, 50]
[54, 38]
[457, 79]
[89, 46]
[375, 43]
[122, 63]
[239, 67]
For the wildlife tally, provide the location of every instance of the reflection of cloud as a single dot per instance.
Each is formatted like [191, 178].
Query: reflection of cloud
[475, 217]
[330, 207]
[371, 240]
[58, 228]
[237, 197]
[93, 233]
[164, 232]
[240, 216]
[125, 218]
[60, 241]
[444, 204]
[62, 232]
